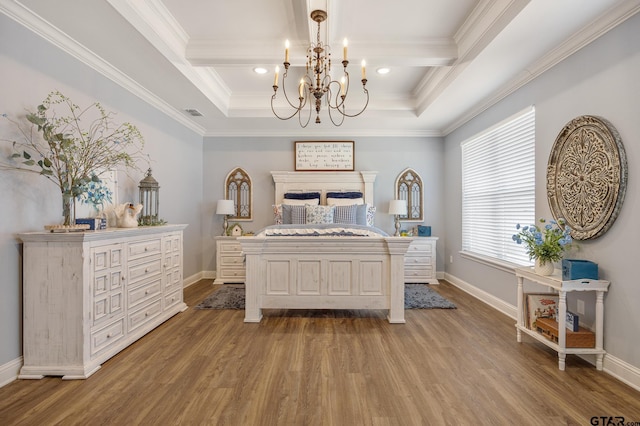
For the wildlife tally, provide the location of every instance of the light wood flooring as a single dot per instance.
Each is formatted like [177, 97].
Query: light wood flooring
[443, 367]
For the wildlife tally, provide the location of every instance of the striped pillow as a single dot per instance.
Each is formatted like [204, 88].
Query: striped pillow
[298, 215]
[345, 214]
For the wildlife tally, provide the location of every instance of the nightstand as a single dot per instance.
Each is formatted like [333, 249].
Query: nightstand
[420, 261]
[229, 261]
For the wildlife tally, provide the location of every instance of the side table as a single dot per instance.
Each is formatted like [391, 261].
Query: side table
[555, 282]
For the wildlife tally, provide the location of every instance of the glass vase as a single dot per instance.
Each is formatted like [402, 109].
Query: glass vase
[68, 210]
[545, 268]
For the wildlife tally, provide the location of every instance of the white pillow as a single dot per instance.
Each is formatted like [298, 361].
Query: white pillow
[313, 202]
[344, 201]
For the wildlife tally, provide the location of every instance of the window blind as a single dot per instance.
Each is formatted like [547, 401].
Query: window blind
[498, 188]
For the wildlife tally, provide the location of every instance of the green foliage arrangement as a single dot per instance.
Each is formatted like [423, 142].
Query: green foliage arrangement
[71, 146]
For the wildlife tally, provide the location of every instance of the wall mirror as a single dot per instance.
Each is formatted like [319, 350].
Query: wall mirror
[409, 188]
[238, 188]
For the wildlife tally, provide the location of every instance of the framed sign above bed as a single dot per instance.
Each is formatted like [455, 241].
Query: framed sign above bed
[324, 156]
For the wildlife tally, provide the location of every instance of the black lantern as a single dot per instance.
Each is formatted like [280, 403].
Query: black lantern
[150, 200]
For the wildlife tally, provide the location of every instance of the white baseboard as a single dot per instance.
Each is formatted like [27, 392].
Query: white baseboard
[204, 275]
[9, 371]
[621, 370]
[498, 304]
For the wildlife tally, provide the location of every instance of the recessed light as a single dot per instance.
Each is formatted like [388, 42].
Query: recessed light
[260, 70]
[383, 70]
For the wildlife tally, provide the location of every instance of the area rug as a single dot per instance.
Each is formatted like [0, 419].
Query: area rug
[416, 296]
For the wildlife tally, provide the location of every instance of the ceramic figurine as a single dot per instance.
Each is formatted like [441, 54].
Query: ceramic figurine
[127, 215]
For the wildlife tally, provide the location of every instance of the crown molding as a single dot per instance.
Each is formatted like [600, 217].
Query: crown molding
[30, 20]
[597, 28]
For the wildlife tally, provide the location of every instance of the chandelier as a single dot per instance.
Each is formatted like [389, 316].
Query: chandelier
[317, 83]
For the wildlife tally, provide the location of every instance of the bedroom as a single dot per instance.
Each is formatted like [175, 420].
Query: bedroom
[601, 78]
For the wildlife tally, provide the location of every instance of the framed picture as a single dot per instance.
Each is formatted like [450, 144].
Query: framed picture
[540, 305]
[324, 156]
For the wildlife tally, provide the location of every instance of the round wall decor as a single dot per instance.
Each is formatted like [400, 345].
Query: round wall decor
[587, 176]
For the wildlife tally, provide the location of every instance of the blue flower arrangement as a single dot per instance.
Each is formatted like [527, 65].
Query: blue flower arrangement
[95, 193]
[546, 243]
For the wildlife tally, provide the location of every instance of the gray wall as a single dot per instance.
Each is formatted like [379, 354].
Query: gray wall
[31, 68]
[601, 79]
[259, 156]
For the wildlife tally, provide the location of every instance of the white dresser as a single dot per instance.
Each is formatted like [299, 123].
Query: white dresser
[229, 261]
[88, 295]
[420, 261]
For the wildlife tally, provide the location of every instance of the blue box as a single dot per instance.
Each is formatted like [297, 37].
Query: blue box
[575, 269]
[424, 231]
[94, 223]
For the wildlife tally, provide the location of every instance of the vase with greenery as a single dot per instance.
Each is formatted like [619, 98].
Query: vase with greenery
[545, 243]
[71, 146]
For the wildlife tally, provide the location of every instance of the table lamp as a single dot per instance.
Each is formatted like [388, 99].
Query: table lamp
[226, 208]
[397, 208]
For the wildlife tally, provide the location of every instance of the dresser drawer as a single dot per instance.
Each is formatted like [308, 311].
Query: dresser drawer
[417, 260]
[172, 299]
[231, 273]
[230, 247]
[418, 272]
[139, 295]
[140, 249]
[105, 337]
[232, 261]
[417, 246]
[143, 270]
[144, 315]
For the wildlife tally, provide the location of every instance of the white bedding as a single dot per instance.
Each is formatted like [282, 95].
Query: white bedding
[321, 230]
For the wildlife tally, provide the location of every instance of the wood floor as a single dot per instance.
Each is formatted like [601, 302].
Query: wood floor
[443, 367]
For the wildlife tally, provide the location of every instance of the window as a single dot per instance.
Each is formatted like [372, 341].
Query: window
[498, 188]
[409, 188]
[238, 189]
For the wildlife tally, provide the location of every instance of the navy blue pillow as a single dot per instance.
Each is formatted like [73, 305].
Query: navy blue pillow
[302, 195]
[351, 195]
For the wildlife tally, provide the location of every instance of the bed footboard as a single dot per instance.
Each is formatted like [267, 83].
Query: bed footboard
[324, 273]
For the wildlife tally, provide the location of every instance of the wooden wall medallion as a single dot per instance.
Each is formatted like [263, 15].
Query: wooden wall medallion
[587, 176]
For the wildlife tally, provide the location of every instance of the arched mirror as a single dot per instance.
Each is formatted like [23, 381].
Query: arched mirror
[409, 188]
[238, 188]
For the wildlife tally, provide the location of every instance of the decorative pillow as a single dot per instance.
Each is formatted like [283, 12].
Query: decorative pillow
[365, 214]
[277, 214]
[319, 214]
[288, 211]
[301, 195]
[294, 202]
[344, 201]
[298, 215]
[345, 214]
[352, 194]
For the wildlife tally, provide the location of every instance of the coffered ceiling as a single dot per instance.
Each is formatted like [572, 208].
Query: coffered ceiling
[448, 59]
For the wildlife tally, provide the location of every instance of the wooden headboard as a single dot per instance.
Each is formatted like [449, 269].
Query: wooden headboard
[324, 182]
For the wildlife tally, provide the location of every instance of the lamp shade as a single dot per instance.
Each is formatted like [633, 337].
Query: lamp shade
[225, 207]
[398, 207]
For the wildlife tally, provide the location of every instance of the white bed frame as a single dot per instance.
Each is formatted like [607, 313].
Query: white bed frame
[324, 272]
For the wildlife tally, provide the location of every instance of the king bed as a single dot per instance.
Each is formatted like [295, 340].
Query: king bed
[324, 252]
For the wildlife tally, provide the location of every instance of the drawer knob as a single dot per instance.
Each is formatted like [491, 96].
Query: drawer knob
[146, 249]
[146, 292]
[146, 314]
[109, 336]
